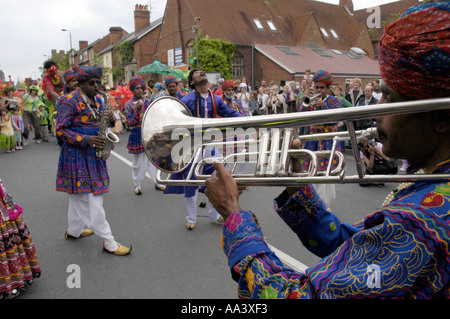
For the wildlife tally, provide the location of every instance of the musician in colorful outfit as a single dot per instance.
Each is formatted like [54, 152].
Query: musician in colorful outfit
[134, 112]
[229, 96]
[202, 103]
[81, 173]
[171, 84]
[322, 82]
[53, 85]
[401, 250]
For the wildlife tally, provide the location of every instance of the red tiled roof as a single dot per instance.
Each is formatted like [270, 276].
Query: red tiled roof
[234, 20]
[302, 58]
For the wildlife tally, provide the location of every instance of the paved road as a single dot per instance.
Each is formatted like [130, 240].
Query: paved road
[167, 261]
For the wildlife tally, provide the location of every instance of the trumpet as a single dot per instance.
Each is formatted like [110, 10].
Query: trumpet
[175, 141]
[310, 100]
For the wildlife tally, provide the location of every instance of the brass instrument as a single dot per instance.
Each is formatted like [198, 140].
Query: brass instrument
[105, 130]
[309, 100]
[173, 140]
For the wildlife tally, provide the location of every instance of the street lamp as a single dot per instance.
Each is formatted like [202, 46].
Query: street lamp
[70, 54]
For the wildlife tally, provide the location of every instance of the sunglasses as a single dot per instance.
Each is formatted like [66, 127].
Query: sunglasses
[320, 87]
[93, 82]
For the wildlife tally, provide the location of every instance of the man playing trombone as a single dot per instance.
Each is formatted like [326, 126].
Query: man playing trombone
[402, 249]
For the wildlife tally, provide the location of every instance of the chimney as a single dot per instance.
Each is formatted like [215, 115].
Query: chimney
[53, 53]
[83, 44]
[141, 17]
[348, 4]
[115, 34]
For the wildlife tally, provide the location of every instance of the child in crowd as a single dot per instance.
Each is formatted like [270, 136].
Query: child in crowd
[7, 132]
[17, 123]
[43, 122]
[118, 117]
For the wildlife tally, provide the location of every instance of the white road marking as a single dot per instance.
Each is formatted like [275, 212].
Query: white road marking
[287, 260]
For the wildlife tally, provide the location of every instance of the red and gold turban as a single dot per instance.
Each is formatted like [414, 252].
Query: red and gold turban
[414, 52]
[228, 84]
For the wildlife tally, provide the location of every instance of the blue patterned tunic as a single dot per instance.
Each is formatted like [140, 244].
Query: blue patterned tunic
[399, 251]
[79, 168]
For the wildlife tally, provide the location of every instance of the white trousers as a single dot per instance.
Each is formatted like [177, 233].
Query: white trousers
[86, 210]
[191, 209]
[140, 166]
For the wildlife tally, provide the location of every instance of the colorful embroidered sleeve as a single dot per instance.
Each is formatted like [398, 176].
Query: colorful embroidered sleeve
[65, 120]
[399, 251]
[320, 231]
[131, 115]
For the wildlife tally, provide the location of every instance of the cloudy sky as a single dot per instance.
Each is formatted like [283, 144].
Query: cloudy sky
[31, 28]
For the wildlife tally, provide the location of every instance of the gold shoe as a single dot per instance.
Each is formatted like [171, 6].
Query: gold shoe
[160, 188]
[86, 232]
[137, 191]
[121, 251]
[221, 220]
[191, 226]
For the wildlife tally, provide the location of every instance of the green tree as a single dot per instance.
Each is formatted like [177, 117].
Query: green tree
[215, 55]
[62, 60]
[126, 51]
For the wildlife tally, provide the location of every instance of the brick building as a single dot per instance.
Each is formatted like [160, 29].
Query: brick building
[256, 25]
[276, 40]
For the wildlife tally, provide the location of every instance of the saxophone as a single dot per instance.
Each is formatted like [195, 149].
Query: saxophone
[105, 130]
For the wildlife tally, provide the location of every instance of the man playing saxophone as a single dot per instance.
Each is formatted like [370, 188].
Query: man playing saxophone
[81, 173]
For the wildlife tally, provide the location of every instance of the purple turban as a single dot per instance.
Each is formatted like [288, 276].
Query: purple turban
[86, 72]
[69, 75]
[135, 81]
[324, 77]
[170, 79]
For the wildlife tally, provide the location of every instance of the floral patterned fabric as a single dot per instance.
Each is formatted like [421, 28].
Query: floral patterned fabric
[79, 168]
[407, 241]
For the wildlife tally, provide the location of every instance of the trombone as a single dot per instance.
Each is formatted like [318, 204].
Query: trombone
[175, 142]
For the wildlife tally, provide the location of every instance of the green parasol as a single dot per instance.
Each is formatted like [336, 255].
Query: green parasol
[156, 67]
[179, 74]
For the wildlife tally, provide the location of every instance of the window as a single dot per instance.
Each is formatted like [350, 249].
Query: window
[288, 50]
[322, 53]
[258, 24]
[337, 52]
[324, 32]
[238, 65]
[271, 26]
[334, 34]
[351, 55]
[189, 51]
